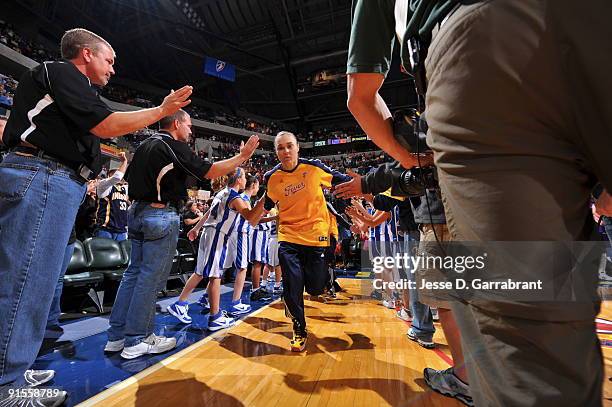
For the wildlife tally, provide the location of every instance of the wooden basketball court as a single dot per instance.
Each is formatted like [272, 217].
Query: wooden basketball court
[357, 355]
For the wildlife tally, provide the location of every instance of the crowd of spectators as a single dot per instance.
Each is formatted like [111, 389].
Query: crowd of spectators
[327, 133]
[122, 94]
[7, 90]
[10, 38]
[229, 146]
[126, 95]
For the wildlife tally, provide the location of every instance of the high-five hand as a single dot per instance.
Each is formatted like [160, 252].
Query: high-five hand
[247, 150]
[176, 99]
[350, 188]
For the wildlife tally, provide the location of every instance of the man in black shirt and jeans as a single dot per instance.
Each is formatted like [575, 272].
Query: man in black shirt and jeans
[157, 177]
[53, 132]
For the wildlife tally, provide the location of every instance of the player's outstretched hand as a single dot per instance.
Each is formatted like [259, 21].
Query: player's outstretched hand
[350, 188]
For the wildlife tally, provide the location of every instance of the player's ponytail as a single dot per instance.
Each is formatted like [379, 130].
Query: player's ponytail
[233, 177]
[219, 183]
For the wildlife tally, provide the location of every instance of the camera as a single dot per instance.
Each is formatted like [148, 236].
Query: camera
[414, 181]
[410, 130]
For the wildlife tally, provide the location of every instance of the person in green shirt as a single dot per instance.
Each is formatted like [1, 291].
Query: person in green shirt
[375, 26]
[520, 116]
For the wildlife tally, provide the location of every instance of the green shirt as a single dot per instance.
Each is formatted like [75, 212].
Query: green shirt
[373, 28]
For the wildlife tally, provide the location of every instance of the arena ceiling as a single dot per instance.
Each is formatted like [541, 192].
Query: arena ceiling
[276, 45]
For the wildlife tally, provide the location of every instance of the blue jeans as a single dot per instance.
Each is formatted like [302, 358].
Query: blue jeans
[54, 313]
[154, 235]
[39, 200]
[607, 223]
[422, 320]
[121, 236]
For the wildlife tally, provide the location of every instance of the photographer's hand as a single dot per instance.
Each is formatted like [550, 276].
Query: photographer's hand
[423, 160]
[351, 188]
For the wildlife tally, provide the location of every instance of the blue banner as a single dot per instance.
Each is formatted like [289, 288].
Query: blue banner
[220, 69]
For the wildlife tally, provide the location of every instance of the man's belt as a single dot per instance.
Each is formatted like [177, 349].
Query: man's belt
[83, 171]
[34, 152]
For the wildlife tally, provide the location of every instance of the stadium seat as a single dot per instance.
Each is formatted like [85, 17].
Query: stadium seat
[78, 277]
[106, 257]
[187, 257]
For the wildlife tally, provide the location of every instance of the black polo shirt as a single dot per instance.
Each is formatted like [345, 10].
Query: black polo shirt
[54, 108]
[160, 167]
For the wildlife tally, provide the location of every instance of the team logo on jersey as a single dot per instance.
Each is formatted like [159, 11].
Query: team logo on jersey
[293, 188]
[304, 174]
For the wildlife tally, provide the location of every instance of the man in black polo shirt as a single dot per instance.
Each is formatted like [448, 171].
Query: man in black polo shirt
[53, 131]
[157, 177]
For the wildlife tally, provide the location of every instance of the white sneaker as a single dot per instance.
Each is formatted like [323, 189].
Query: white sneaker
[114, 346]
[446, 383]
[222, 322]
[404, 315]
[35, 378]
[240, 309]
[604, 277]
[151, 344]
[388, 304]
[180, 312]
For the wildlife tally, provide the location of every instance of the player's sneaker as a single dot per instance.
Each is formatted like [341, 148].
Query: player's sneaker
[220, 322]
[446, 383]
[180, 310]
[239, 308]
[260, 294]
[298, 343]
[203, 301]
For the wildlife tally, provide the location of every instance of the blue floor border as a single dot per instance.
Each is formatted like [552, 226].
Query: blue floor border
[84, 370]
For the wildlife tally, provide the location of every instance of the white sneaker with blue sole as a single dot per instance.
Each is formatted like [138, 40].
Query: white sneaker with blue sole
[240, 309]
[180, 312]
[203, 301]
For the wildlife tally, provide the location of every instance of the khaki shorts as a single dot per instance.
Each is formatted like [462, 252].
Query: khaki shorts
[520, 121]
[428, 246]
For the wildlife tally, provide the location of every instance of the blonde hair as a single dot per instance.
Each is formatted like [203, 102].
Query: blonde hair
[284, 133]
[219, 183]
